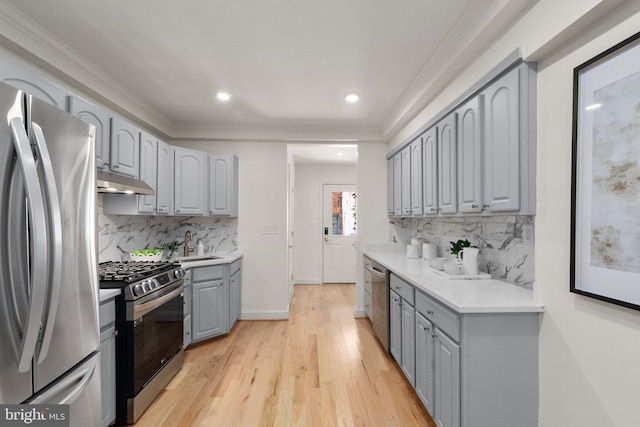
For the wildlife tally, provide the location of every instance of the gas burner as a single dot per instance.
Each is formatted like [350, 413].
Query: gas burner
[137, 278]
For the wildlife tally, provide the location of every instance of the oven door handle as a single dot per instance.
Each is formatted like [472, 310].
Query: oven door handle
[146, 307]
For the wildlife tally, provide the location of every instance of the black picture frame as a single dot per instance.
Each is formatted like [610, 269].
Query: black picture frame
[605, 170]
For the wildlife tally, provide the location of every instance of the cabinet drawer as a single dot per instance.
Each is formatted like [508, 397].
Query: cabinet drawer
[442, 317]
[107, 313]
[235, 266]
[402, 288]
[211, 272]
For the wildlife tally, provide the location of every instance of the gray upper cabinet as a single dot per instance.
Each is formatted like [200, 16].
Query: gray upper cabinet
[28, 80]
[190, 189]
[390, 192]
[98, 117]
[164, 181]
[397, 185]
[416, 177]
[405, 181]
[502, 143]
[223, 185]
[148, 171]
[430, 171]
[480, 157]
[125, 147]
[447, 162]
[470, 156]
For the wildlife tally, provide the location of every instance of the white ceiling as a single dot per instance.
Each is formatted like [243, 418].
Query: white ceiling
[287, 63]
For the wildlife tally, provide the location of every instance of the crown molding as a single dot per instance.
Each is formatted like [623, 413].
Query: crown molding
[481, 23]
[40, 48]
[287, 133]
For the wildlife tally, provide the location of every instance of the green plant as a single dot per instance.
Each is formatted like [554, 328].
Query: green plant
[171, 247]
[460, 245]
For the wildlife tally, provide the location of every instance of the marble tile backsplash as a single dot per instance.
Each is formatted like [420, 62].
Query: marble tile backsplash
[503, 252]
[118, 235]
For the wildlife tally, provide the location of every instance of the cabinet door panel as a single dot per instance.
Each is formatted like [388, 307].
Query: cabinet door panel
[416, 177]
[397, 185]
[430, 171]
[234, 298]
[190, 172]
[210, 309]
[148, 171]
[408, 342]
[405, 156]
[125, 147]
[502, 149]
[425, 362]
[164, 185]
[223, 185]
[447, 381]
[108, 375]
[470, 156]
[447, 161]
[395, 327]
[390, 187]
[100, 119]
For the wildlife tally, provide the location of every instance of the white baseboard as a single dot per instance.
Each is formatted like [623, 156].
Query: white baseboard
[312, 281]
[359, 313]
[264, 315]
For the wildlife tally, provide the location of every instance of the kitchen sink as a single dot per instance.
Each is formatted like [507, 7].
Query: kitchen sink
[196, 258]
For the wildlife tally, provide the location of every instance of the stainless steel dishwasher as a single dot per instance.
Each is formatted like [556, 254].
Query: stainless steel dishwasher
[377, 277]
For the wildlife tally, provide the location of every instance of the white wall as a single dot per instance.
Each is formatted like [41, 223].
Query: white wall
[262, 200]
[308, 214]
[589, 350]
[372, 207]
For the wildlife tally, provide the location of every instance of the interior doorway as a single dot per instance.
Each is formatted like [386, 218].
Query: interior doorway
[339, 224]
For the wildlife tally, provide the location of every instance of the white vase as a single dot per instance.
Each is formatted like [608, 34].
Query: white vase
[469, 258]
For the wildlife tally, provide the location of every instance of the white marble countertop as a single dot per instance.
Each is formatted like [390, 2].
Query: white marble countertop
[201, 261]
[463, 296]
[106, 294]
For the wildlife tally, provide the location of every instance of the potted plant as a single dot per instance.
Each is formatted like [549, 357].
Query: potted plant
[456, 247]
[170, 247]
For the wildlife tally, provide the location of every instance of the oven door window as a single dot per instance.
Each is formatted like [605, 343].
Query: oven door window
[157, 337]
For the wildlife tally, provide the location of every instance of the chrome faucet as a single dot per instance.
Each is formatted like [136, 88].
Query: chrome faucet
[187, 238]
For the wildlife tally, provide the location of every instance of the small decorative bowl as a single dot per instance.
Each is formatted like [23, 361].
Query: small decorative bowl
[146, 258]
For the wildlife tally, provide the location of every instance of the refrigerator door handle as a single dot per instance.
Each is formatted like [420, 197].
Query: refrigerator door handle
[55, 239]
[77, 380]
[39, 245]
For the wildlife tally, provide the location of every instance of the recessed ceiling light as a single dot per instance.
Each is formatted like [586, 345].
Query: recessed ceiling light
[339, 153]
[223, 96]
[352, 97]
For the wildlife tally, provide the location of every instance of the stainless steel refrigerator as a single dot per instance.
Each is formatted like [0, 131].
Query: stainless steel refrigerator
[49, 330]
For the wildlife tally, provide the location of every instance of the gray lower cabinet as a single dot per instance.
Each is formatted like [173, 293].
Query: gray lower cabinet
[468, 369]
[425, 364]
[210, 314]
[395, 326]
[234, 292]
[108, 361]
[212, 300]
[188, 301]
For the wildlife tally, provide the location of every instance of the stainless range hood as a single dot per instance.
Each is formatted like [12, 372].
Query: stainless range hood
[112, 183]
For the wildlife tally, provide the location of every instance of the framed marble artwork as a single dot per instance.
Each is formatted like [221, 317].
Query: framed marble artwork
[605, 225]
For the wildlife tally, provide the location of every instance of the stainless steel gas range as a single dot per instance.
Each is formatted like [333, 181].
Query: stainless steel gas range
[149, 315]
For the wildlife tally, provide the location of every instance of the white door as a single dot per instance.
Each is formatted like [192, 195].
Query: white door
[339, 233]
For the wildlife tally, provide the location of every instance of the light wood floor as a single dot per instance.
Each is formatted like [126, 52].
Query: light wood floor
[322, 367]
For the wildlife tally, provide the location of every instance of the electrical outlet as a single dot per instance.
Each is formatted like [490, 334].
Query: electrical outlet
[269, 228]
[527, 234]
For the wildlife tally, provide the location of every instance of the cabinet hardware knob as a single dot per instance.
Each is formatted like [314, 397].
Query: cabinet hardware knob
[116, 166]
[486, 205]
[429, 312]
[474, 206]
[434, 336]
[115, 333]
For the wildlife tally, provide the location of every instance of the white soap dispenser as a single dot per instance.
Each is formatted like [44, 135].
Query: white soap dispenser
[200, 248]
